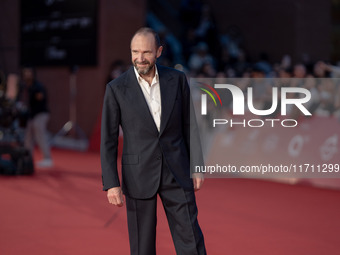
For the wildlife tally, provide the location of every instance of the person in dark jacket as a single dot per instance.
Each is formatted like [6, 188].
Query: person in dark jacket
[151, 103]
[34, 96]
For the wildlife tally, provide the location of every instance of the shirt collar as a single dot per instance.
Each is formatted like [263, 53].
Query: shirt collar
[140, 78]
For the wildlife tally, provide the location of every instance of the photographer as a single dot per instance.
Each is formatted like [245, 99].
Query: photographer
[33, 95]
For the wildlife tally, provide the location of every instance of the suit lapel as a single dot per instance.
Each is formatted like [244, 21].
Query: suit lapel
[135, 95]
[168, 90]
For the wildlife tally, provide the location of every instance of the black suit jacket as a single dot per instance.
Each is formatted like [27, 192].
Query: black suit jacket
[145, 148]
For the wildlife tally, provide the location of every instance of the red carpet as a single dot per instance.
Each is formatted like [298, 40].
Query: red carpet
[63, 211]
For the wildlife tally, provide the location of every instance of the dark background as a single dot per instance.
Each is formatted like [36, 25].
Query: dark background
[59, 32]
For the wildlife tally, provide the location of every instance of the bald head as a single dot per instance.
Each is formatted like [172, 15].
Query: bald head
[146, 31]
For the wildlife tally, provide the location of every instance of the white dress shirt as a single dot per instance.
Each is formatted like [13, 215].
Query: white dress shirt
[152, 96]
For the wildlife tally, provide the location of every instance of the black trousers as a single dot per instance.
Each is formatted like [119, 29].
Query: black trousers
[181, 212]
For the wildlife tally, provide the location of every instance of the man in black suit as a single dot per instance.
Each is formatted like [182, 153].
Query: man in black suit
[152, 105]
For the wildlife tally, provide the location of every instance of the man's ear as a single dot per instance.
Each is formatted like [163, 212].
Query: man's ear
[159, 51]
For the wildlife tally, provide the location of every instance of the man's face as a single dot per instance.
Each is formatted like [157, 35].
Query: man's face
[144, 53]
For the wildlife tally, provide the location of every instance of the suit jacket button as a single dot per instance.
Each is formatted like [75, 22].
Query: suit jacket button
[159, 158]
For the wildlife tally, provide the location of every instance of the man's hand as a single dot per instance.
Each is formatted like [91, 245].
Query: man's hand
[198, 180]
[115, 196]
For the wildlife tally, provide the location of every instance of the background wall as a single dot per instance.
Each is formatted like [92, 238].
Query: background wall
[294, 27]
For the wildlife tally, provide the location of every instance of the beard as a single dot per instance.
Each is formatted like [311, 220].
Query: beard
[144, 70]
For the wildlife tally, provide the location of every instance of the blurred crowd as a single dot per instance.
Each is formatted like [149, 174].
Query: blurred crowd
[23, 107]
